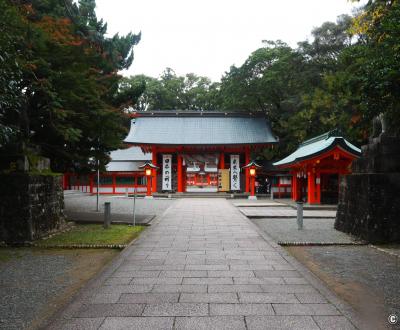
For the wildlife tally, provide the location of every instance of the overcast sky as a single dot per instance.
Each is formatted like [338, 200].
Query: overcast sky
[206, 37]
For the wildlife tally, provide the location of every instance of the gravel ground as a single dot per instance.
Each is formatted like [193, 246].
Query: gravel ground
[34, 283]
[314, 230]
[365, 277]
[78, 202]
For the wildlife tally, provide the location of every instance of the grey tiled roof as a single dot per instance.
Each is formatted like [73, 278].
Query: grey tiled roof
[197, 129]
[124, 166]
[123, 160]
[132, 153]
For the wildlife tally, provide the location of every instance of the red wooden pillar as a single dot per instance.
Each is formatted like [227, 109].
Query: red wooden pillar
[65, 181]
[148, 192]
[222, 160]
[252, 185]
[180, 174]
[311, 188]
[113, 183]
[246, 173]
[154, 176]
[294, 186]
[279, 187]
[318, 188]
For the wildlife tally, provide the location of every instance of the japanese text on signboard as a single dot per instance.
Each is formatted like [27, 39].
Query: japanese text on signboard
[235, 172]
[167, 172]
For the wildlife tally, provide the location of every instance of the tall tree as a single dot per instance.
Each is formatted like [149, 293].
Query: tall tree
[272, 81]
[70, 80]
[11, 61]
[299, 89]
[327, 104]
[373, 63]
[173, 92]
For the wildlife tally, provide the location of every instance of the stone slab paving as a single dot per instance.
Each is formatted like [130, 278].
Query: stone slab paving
[203, 265]
[77, 203]
[317, 231]
[284, 212]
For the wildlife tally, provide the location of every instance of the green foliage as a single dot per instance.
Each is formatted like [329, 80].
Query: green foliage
[11, 96]
[94, 234]
[172, 92]
[302, 91]
[327, 103]
[373, 64]
[69, 82]
[9, 254]
[60, 90]
[270, 81]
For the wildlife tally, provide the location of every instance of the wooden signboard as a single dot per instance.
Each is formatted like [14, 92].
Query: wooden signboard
[223, 179]
[235, 173]
[167, 173]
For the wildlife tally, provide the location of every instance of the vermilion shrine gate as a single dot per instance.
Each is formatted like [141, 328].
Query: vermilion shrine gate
[200, 151]
[316, 166]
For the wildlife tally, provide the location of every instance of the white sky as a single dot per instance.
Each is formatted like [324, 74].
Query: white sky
[206, 37]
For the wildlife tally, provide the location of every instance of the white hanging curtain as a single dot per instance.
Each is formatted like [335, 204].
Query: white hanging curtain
[201, 162]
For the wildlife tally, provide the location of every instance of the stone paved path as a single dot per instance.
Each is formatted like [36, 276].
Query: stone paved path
[203, 265]
[83, 202]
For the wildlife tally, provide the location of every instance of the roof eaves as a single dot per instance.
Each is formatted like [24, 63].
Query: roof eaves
[199, 144]
[338, 141]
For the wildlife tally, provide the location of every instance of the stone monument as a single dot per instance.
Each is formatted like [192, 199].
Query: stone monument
[369, 198]
[31, 199]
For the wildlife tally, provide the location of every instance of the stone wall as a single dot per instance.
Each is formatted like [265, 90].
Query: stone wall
[31, 206]
[369, 199]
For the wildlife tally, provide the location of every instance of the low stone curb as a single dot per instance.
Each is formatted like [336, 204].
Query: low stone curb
[385, 251]
[287, 217]
[319, 243]
[68, 246]
[82, 246]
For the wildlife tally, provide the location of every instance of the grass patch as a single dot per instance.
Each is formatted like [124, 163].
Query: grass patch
[94, 234]
[7, 254]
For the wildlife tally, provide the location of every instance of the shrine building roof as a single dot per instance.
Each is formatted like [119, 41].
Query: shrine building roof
[317, 146]
[128, 159]
[199, 128]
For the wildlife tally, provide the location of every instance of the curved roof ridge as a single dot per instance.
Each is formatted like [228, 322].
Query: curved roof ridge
[199, 113]
[335, 132]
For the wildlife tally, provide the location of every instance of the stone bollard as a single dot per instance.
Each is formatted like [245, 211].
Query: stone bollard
[299, 215]
[107, 215]
[272, 193]
[126, 192]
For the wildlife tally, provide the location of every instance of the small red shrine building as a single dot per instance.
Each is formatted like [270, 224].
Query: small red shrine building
[316, 166]
[200, 151]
